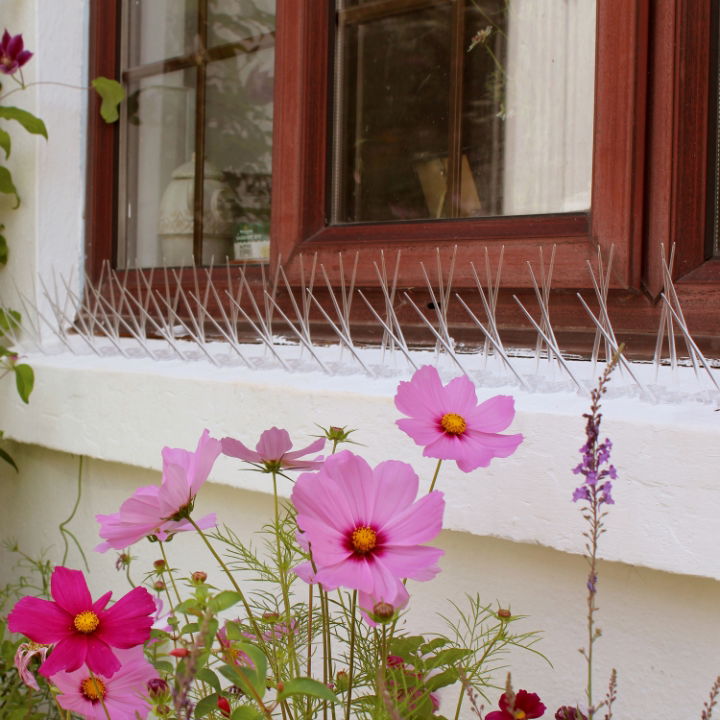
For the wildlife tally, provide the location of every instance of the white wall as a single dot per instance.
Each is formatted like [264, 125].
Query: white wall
[513, 535]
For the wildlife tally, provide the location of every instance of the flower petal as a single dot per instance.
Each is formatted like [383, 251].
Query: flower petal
[234, 448]
[40, 620]
[421, 522]
[69, 654]
[418, 562]
[100, 658]
[481, 448]
[493, 415]
[128, 621]
[70, 591]
[398, 487]
[273, 443]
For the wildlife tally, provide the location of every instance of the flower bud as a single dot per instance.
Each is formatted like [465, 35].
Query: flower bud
[341, 680]
[160, 565]
[162, 710]
[383, 612]
[180, 652]
[157, 687]
[272, 616]
[198, 577]
[123, 560]
[504, 614]
[158, 586]
[223, 706]
[280, 686]
[394, 661]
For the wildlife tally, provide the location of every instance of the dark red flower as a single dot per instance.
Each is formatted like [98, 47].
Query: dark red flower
[567, 712]
[526, 705]
[12, 53]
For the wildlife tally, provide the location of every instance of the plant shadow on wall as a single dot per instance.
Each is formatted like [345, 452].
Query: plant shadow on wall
[13, 57]
[312, 622]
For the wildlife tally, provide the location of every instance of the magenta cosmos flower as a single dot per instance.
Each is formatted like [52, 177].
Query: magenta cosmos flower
[12, 53]
[123, 694]
[163, 510]
[83, 631]
[272, 454]
[364, 526]
[447, 420]
[525, 705]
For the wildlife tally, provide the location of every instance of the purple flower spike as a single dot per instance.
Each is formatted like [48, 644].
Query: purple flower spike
[12, 53]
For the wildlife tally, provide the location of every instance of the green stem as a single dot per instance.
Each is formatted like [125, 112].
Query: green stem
[169, 571]
[41, 82]
[233, 582]
[351, 661]
[63, 530]
[127, 572]
[435, 476]
[283, 581]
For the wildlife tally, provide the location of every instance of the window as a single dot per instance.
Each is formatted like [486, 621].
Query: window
[362, 160]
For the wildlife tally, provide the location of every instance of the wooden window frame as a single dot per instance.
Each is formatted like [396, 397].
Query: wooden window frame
[649, 188]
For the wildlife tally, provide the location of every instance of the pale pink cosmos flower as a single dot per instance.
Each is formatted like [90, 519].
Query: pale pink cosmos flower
[124, 694]
[364, 526]
[83, 631]
[448, 421]
[163, 510]
[272, 454]
[24, 655]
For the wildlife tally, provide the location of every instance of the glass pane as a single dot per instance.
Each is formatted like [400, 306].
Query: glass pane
[158, 172]
[238, 143]
[244, 22]
[165, 133]
[472, 108]
[160, 29]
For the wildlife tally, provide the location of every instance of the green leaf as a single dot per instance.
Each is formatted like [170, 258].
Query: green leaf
[164, 666]
[7, 186]
[190, 628]
[449, 656]
[251, 680]
[112, 94]
[32, 124]
[24, 380]
[234, 631]
[5, 142]
[9, 320]
[428, 647]
[206, 705]
[446, 677]
[8, 459]
[246, 712]
[307, 686]
[207, 676]
[224, 600]
[4, 251]
[404, 647]
[186, 607]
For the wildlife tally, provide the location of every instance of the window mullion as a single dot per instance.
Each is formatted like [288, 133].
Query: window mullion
[200, 92]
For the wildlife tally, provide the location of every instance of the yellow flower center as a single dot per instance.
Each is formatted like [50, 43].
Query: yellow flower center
[520, 715]
[364, 539]
[86, 622]
[93, 688]
[453, 423]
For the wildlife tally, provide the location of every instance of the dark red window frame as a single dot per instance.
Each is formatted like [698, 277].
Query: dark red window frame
[649, 179]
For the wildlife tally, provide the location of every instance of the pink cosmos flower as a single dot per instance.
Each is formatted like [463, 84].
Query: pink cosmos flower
[271, 453]
[447, 420]
[12, 53]
[365, 527]
[23, 656]
[163, 510]
[83, 630]
[123, 693]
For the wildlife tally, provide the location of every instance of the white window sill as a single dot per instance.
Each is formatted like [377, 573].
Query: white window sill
[667, 454]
